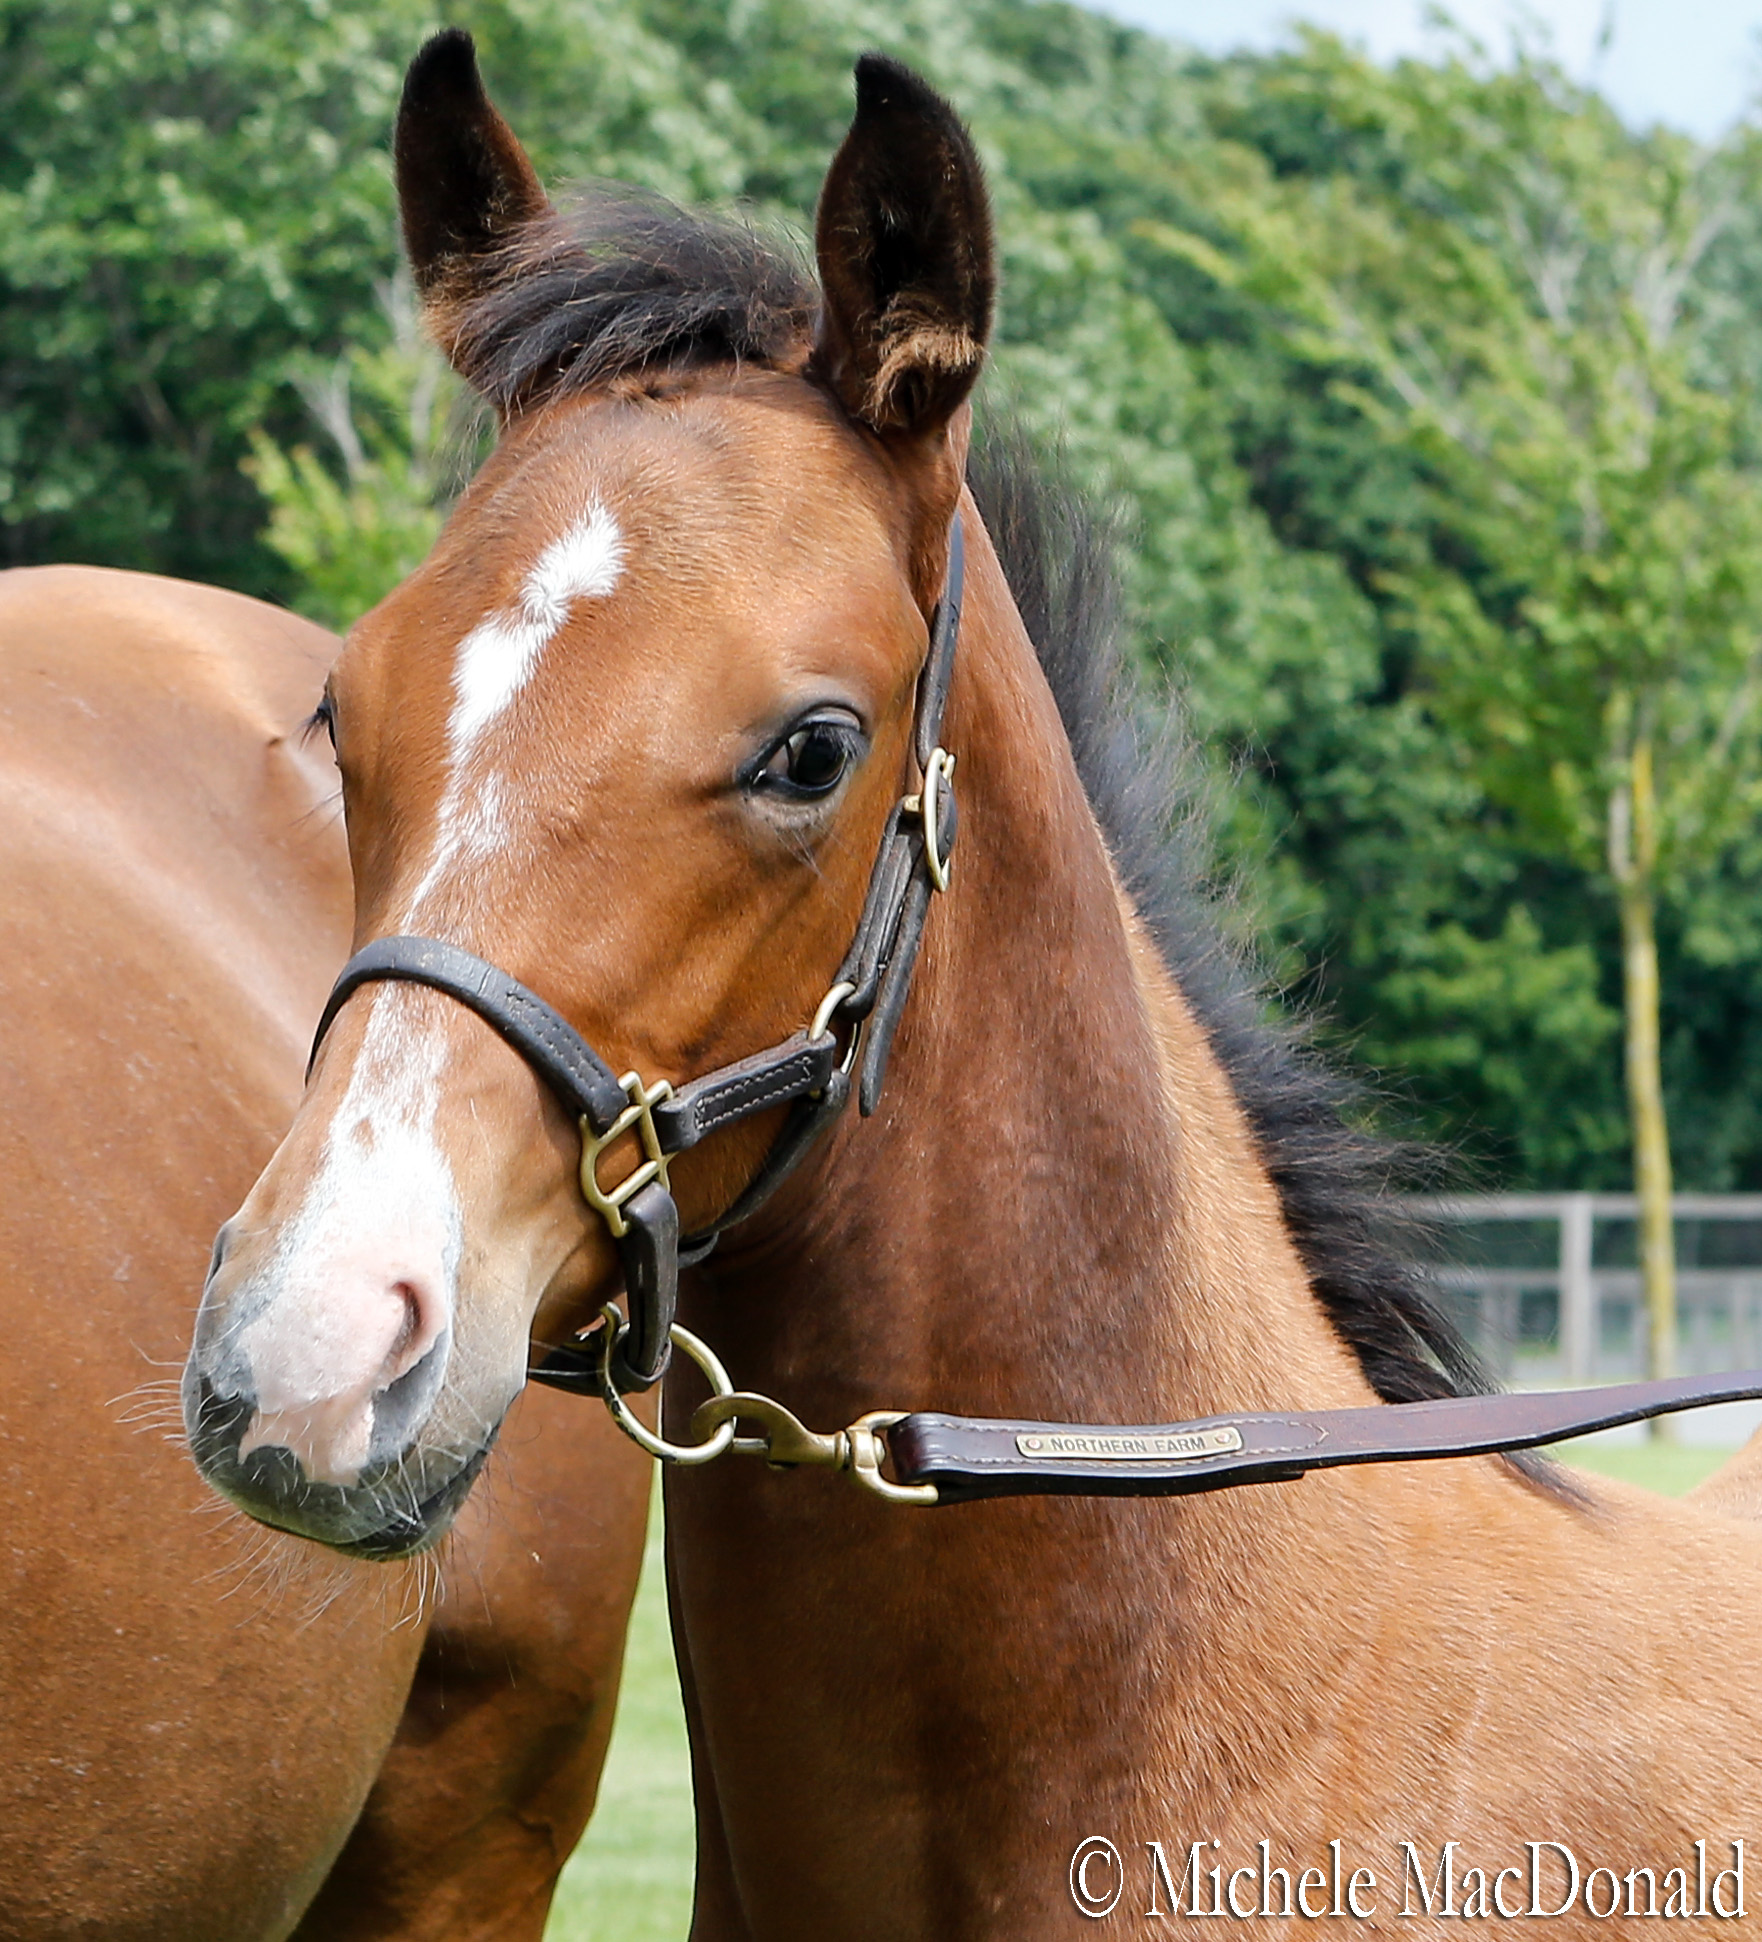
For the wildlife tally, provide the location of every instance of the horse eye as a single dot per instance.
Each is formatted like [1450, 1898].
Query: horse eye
[811, 761]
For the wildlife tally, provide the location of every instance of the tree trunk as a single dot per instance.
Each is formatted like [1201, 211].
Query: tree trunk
[1633, 859]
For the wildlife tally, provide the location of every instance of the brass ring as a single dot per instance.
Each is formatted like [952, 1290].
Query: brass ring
[939, 769]
[706, 1359]
[828, 1005]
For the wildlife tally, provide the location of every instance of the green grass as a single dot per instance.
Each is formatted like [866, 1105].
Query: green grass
[630, 1880]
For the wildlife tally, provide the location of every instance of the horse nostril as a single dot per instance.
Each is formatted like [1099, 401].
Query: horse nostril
[222, 1241]
[422, 1323]
[214, 1423]
[411, 1297]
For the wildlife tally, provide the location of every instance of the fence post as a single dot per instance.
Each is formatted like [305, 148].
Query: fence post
[1578, 1298]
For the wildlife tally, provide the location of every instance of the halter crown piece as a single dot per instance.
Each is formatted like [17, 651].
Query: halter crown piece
[808, 1072]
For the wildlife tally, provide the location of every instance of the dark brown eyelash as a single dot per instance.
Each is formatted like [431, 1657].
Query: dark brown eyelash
[323, 716]
[759, 775]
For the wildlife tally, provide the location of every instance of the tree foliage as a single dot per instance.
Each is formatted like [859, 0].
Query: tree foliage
[1257, 300]
[359, 512]
[188, 194]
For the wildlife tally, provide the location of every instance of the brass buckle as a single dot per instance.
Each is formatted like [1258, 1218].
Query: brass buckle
[926, 806]
[639, 1116]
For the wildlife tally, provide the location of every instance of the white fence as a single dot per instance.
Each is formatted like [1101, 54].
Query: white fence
[1548, 1287]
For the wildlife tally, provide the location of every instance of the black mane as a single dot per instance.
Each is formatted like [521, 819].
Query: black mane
[1335, 1181]
[625, 285]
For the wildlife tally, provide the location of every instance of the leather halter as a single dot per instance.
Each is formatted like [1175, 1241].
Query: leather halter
[806, 1072]
[937, 1458]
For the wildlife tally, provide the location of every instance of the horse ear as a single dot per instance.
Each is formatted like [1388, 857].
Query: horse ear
[903, 238]
[464, 183]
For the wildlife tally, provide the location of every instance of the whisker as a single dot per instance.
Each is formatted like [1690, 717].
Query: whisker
[157, 1362]
[329, 807]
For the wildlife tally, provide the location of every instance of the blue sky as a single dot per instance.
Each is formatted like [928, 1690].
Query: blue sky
[1691, 63]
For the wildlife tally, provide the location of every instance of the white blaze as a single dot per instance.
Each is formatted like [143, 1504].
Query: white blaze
[363, 1281]
[382, 1213]
[497, 657]
[496, 660]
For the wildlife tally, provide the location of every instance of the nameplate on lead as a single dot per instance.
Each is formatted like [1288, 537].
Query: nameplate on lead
[1116, 1446]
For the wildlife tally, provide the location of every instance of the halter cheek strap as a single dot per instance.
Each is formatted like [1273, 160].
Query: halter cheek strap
[807, 1073]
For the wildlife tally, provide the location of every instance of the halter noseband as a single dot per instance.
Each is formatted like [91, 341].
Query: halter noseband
[806, 1072]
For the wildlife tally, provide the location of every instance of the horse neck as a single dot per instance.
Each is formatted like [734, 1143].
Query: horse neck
[1057, 1212]
[1058, 1209]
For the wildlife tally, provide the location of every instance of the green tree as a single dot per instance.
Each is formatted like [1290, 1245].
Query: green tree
[195, 203]
[1589, 622]
[188, 193]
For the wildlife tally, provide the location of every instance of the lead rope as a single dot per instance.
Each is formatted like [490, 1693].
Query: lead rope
[961, 1459]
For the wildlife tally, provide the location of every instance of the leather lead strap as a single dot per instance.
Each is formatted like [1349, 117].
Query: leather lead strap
[968, 1457]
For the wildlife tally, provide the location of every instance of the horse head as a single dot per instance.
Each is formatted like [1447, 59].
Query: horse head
[632, 733]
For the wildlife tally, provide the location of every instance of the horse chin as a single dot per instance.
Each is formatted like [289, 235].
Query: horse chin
[423, 1527]
[402, 1505]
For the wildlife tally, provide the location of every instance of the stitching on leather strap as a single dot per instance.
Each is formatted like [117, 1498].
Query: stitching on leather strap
[775, 1088]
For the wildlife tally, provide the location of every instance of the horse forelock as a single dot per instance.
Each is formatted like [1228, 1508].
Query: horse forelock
[619, 284]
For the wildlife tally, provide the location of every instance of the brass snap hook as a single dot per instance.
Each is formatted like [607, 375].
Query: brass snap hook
[784, 1441]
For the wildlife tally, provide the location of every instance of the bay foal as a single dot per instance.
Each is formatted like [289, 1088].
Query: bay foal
[631, 734]
[207, 1728]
